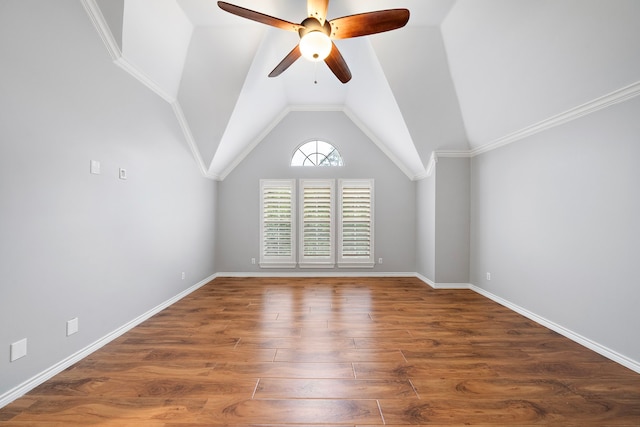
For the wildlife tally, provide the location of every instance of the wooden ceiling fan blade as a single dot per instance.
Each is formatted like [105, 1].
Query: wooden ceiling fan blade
[338, 65]
[318, 9]
[367, 23]
[258, 17]
[286, 62]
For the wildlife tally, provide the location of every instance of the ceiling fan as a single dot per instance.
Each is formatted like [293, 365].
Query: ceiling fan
[317, 33]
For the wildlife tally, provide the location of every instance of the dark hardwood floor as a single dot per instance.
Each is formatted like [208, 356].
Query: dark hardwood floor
[335, 351]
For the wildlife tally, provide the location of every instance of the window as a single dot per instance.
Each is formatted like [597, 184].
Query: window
[317, 223]
[355, 226]
[316, 153]
[322, 221]
[277, 223]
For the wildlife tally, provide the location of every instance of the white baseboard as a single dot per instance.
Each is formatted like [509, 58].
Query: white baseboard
[586, 342]
[48, 373]
[316, 274]
[38, 379]
[435, 285]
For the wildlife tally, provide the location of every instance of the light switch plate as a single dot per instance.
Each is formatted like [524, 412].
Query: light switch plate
[95, 167]
[72, 326]
[122, 173]
[18, 349]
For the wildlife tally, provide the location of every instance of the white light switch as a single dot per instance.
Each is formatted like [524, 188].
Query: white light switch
[18, 349]
[72, 326]
[95, 167]
[122, 173]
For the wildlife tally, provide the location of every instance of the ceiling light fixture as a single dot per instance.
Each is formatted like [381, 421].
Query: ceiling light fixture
[315, 46]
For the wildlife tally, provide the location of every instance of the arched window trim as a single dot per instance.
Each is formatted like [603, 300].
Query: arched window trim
[306, 158]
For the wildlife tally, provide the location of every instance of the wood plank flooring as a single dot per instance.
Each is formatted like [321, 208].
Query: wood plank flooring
[335, 351]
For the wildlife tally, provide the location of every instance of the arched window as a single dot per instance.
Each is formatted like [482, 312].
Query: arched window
[316, 153]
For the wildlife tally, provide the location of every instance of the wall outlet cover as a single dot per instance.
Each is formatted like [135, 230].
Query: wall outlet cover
[18, 349]
[72, 326]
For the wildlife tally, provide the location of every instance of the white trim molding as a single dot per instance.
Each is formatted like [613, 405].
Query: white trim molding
[101, 26]
[573, 336]
[316, 274]
[615, 97]
[53, 370]
[624, 94]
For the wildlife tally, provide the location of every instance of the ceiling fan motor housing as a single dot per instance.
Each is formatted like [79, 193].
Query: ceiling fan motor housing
[312, 24]
[315, 43]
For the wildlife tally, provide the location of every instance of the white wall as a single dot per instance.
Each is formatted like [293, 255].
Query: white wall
[554, 219]
[73, 244]
[239, 195]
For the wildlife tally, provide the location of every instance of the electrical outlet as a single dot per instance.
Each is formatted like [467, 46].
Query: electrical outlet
[18, 349]
[122, 173]
[253, 260]
[72, 326]
[379, 260]
[488, 276]
[183, 275]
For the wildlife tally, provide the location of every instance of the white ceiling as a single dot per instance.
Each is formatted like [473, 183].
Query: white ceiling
[461, 75]
[215, 66]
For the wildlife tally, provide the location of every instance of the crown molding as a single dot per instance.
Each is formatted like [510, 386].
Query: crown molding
[247, 150]
[435, 155]
[100, 24]
[186, 131]
[592, 106]
[360, 124]
[263, 134]
[319, 108]
[624, 94]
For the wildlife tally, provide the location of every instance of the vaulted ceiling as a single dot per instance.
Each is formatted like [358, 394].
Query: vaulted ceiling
[461, 76]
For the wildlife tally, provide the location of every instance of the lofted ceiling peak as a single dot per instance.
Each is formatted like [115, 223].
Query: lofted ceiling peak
[213, 67]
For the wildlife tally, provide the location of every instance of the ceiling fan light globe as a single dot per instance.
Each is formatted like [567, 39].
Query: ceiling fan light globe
[315, 46]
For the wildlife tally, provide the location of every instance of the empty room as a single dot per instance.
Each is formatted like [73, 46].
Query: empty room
[345, 213]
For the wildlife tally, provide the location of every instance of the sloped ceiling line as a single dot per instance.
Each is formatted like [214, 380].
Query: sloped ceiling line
[101, 26]
[621, 95]
[340, 108]
[615, 97]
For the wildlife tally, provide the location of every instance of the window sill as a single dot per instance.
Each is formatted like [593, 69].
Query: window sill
[277, 265]
[316, 265]
[356, 264]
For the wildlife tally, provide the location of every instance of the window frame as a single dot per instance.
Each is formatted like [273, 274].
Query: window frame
[308, 156]
[268, 261]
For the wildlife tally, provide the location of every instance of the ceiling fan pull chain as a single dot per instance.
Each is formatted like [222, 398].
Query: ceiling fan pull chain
[315, 73]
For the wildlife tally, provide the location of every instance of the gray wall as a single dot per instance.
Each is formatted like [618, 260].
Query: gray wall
[554, 219]
[452, 220]
[426, 227]
[74, 244]
[442, 223]
[239, 240]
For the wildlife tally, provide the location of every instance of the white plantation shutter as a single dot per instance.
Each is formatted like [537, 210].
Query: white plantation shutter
[277, 223]
[355, 231]
[317, 247]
